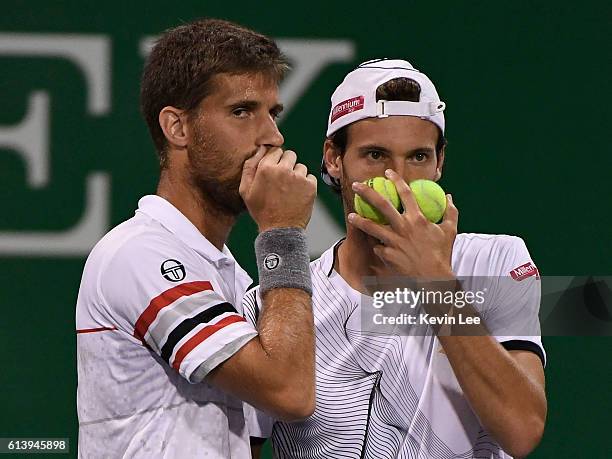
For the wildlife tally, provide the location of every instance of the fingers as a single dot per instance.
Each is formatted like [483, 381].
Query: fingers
[382, 252]
[249, 169]
[377, 200]
[272, 157]
[380, 232]
[300, 169]
[313, 181]
[278, 174]
[288, 160]
[451, 216]
[267, 158]
[276, 156]
[405, 193]
[250, 165]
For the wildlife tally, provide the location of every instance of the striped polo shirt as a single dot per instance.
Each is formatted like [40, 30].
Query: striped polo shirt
[386, 395]
[156, 312]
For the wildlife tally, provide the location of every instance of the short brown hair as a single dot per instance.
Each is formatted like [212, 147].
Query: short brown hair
[179, 70]
[396, 89]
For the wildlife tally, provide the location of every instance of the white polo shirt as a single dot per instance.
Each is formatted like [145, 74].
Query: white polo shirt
[156, 312]
[386, 396]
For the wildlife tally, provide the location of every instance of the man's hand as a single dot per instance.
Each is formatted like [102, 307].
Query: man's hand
[275, 371]
[277, 191]
[411, 245]
[505, 390]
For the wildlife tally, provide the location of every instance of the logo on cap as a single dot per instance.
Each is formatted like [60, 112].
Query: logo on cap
[271, 261]
[524, 271]
[346, 107]
[173, 270]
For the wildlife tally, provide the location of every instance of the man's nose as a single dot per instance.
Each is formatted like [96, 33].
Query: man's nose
[399, 166]
[270, 135]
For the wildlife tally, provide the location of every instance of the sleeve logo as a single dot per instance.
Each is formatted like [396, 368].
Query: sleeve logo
[272, 261]
[525, 271]
[173, 270]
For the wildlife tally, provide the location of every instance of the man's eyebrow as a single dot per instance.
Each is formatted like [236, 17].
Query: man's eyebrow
[373, 146]
[253, 104]
[245, 103]
[376, 147]
[422, 150]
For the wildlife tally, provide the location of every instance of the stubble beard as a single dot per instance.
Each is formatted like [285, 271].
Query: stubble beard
[206, 164]
[346, 192]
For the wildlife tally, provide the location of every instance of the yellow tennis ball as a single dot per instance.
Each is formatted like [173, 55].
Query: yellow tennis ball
[384, 187]
[430, 197]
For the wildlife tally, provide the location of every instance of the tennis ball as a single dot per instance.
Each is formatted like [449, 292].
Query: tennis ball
[430, 197]
[387, 189]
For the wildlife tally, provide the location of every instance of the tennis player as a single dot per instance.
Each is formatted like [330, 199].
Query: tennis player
[165, 356]
[412, 392]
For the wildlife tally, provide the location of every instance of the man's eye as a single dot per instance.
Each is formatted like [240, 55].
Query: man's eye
[240, 112]
[375, 154]
[421, 156]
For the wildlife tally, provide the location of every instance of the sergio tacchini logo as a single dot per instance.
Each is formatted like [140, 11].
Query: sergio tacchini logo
[272, 261]
[173, 270]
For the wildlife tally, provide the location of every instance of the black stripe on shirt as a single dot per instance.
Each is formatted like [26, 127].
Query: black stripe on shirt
[182, 329]
[335, 252]
[522, 345]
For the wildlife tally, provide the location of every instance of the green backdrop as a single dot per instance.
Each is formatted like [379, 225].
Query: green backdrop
[527, 90]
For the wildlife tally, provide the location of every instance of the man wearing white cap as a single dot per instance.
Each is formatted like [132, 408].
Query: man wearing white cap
[412, 392]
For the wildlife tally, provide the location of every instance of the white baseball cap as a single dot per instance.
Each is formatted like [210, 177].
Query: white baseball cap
[355, 99]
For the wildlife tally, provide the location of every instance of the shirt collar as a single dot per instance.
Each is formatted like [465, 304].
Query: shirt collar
[174, 221]
[328, 258]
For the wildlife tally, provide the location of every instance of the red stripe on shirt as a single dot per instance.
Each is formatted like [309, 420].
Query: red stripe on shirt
[94, 330]
[165, 299]
[200, 336]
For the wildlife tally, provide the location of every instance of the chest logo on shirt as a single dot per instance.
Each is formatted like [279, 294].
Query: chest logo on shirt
[173, 270]
[271, 261]
[525, 271]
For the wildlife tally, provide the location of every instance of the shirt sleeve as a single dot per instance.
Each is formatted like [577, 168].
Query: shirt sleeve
[512, 313]
[251, 306]
[170, 300]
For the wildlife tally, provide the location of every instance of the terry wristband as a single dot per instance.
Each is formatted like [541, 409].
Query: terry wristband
[282, 260]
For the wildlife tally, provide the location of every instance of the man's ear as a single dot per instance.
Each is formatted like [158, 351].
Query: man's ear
[440, 164]
[173, 123]
[333, 160]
